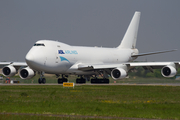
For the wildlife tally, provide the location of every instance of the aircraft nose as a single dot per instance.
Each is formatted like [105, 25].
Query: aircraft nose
[29, 58]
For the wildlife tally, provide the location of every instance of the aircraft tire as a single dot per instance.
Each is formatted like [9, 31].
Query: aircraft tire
[93, 81]
[104, 81]
[99, 81]
[43, 80]
[61, 80]
[83, 80]
[80, 80]
[65, 80]
[39, 81]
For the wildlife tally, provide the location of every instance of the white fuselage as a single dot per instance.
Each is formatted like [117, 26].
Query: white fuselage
[58, 58]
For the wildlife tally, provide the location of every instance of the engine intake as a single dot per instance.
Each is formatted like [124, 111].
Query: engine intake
[168, 71]
[26, 73]
[9, 71]
[118, 73]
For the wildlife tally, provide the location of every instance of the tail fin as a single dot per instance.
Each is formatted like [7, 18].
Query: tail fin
[130, 37]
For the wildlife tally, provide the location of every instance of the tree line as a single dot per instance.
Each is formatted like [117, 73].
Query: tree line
[141, 72]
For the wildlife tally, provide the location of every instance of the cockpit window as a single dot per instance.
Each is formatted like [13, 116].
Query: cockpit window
[39, 44]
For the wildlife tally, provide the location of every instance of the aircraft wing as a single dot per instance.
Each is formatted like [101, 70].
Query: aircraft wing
[119, 71]
[15, 64]
[88, 67]
[152, 65]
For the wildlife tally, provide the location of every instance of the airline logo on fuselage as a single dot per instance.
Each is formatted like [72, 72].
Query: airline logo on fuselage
[67, 52]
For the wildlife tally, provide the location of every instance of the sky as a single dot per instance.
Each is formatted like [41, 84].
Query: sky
[89, 23]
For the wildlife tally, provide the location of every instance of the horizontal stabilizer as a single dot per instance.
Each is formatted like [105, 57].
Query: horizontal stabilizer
[151, 53]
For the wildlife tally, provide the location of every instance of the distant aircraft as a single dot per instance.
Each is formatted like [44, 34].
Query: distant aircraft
[58, 58]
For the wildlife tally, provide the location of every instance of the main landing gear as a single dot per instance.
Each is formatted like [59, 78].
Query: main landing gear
[99, 81]
[41, 79]
[80, 80]
[63, 79]
[95, 80]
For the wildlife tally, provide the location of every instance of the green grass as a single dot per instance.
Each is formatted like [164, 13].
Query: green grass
[161, 102]
[41, 117]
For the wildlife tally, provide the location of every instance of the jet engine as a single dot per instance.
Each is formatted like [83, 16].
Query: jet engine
[9, 71]
[26, 73]
[118, 73]
[168, 71]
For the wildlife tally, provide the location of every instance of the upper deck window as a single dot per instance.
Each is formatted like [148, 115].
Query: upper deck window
[39, 44]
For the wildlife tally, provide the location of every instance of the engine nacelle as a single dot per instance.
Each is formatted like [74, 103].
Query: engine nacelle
[26, 73]
[9, 71]
[118, 73]
[168, 71]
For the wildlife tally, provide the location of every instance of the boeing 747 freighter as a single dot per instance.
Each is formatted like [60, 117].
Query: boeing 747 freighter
[53, 57]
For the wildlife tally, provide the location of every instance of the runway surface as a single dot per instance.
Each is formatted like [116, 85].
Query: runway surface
[153, 84]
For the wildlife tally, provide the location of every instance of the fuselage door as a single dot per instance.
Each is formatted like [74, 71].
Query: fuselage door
[57, 58]
[57, 54]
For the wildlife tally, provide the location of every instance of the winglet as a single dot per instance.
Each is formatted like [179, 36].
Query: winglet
[130, 37]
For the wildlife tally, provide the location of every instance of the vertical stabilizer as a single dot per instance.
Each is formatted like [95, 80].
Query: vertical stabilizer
[130, 37]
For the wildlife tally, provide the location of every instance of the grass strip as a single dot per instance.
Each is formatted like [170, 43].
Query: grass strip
[154, 102]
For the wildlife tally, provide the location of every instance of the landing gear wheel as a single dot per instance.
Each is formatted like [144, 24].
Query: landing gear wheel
[80, 80]
[61, 80]
[41, 80]
[65, 80]
[100, 81]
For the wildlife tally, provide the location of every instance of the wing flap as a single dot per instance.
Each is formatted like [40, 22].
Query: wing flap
[85, 67]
